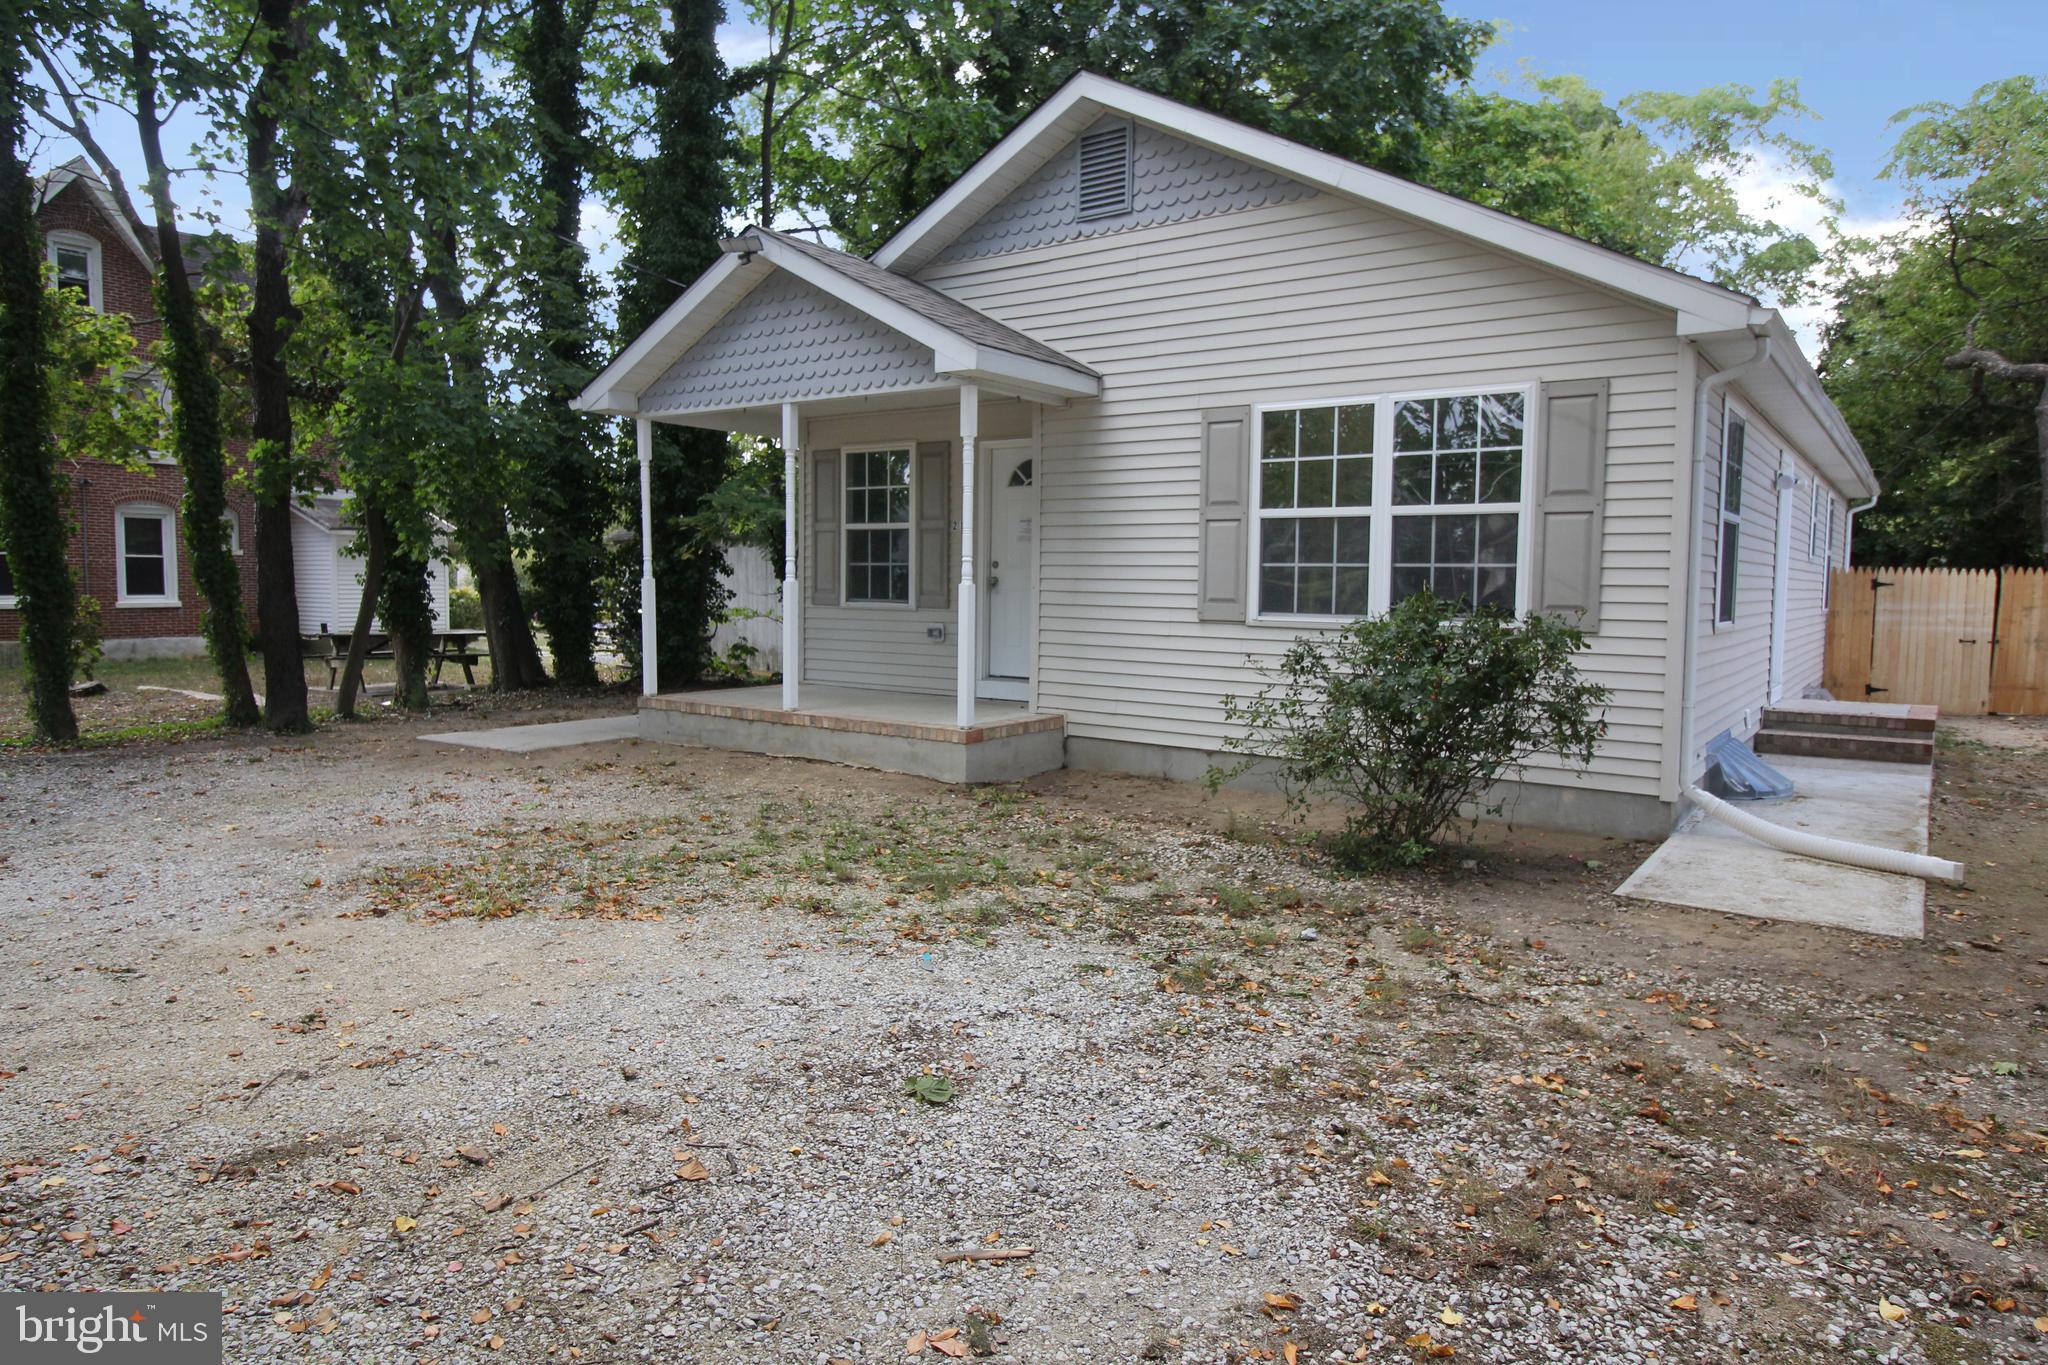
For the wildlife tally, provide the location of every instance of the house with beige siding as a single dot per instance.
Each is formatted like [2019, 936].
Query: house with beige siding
[1147, 394]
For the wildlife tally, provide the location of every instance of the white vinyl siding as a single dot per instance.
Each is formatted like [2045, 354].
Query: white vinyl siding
[861, 646]
[1294, 303]
[1734, 671]
[330, 581]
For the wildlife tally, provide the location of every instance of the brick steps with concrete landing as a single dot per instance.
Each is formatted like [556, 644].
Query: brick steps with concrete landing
[1877, 732]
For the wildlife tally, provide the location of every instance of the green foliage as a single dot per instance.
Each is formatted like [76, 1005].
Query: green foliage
[897, 99]
[677, 201]
[1653, 174]
[87, 648]
[106, 400]
[929, 1089]
[1960, 452]
[1407, 717]
[465, 609]
[32, 527]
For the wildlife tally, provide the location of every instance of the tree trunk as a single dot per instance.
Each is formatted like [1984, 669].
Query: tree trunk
[196, 409]
[515, 659]
[32, 524]
[271, 313]
[377, 532]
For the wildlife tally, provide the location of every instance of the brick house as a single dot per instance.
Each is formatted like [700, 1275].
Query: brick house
[126, 539]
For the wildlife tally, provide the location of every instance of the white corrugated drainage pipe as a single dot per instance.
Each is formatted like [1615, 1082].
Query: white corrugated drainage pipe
[1826, 849]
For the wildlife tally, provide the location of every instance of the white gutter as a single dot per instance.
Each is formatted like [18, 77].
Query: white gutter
[1703, 391]
[1849, 528]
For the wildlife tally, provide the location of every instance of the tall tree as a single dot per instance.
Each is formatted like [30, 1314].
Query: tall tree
[276, 209]
[570, 494]
[32, 524]
[1938, 354]
[677, 204]
[902, 96]
[1655, 174]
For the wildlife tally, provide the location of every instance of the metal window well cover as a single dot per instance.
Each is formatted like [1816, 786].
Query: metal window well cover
[1736, 774]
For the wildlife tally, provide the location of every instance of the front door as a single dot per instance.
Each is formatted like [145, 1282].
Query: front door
[1013, 523]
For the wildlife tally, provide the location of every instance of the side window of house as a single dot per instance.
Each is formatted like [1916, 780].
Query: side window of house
[148, 567]
[1729, 571]
[1458, 498]
[6, 580]
[878, 521]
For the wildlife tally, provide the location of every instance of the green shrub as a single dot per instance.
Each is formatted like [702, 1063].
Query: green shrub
[86, 647]
[465, 609]
[1410, 716]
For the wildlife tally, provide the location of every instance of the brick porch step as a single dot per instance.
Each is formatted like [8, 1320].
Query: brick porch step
[1870, 745]
[1831, 717]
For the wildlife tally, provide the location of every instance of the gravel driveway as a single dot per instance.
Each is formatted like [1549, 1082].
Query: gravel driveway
[601, 1054]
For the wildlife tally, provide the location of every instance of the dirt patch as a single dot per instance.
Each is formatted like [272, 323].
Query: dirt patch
[415, 1051]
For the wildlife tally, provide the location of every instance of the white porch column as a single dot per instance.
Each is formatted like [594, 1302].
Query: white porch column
[643, 432]
[792, 664]
[967, 633]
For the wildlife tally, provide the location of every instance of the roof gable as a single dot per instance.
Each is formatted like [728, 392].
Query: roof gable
[1172, 180]
[79, 173]
[1702, 307]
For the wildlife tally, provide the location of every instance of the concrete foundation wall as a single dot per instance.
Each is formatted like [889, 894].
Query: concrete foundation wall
[1008, 759]
[1581, 810]
[149, 647]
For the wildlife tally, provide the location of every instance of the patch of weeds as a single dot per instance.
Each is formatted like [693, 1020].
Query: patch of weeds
[927, 1088]
[1196, 975]
[1261, 936]
[1092, 969]
[1235, 902]
[1419, 938]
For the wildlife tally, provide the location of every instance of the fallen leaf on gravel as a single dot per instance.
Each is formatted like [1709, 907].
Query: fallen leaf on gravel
[2041, 1325]
[1451, 1318]
[1890, 1311]
[491, 1203]
[692, 1169]
[1789, 1259]
[405, 1224]
[1290, 1353]
[1973, 1153]
[1686, 1303]
[1285, 1303]
[882, 1239]
[915, 1344]
[480, 1317]
[320, 1277]
[474, 1155]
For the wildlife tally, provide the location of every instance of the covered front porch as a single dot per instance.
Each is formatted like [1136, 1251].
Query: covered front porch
[908, 427]
[903, 732]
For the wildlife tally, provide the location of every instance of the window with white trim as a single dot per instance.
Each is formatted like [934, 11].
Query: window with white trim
[1458, 498]
[1827, 563]
[1315, 510]
[234, 525]
[1728, 567]
[878, 521]
[146, 549]
[1363, 502]
[6, 581]
[76, 259]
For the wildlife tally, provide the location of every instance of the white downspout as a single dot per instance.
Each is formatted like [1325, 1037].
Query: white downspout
[1781, 578]
[643, 439]
[1707, 387]
[1849, 528]
[792, 637]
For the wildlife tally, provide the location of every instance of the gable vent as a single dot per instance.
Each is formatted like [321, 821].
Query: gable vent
[1105, 188]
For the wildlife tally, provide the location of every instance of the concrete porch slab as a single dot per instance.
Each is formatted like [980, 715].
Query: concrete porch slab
[895, 731]
[528, 739]
[1709, 866]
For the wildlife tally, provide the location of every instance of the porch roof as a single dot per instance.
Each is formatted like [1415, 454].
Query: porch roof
[965, 346]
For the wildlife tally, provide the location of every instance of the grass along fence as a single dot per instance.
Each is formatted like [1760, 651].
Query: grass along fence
[1971, 641]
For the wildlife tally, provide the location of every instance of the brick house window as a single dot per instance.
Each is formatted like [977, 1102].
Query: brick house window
[146, 541]
[76, 258]
[6, 581]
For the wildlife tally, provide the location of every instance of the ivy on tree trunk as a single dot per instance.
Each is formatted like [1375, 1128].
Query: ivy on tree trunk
[195, 411]
[32, 526]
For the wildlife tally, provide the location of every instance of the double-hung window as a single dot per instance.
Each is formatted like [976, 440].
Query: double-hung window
[1734, 437]
[878, 539]
[146, 543]
[76, 259]
[1315, 510]
[6, 582]
[1458, 498]
[1362, 503]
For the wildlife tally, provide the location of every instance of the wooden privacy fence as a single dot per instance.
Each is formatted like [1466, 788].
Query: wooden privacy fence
[1971, 641]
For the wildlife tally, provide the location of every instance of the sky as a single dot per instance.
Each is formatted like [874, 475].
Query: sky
[1857, 63]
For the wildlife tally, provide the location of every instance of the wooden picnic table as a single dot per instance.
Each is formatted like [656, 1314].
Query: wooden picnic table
[444, 646]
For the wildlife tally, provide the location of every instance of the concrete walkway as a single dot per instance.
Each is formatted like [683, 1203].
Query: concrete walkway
[561, 734]
[1709, 866]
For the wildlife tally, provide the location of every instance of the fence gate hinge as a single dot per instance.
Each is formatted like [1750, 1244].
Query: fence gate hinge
[1877, 583]
[1869, 689]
